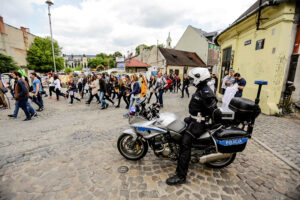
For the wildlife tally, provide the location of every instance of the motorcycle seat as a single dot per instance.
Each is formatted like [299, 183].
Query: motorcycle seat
[243, 104]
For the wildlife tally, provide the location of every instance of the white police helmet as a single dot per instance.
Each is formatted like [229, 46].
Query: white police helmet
[199, 74]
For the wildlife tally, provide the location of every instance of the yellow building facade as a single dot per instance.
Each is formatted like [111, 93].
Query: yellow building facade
[260, 54]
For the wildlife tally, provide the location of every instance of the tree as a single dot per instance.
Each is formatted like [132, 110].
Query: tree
[7, 64]
[94, 62]
[78, 68]
[39, 56]
[117, 54]
[68, 70]
[137, 49]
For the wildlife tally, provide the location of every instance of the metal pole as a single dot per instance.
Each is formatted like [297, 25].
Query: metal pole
[51, 38]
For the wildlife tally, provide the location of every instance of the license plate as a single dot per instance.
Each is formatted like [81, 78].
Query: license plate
[232, 142]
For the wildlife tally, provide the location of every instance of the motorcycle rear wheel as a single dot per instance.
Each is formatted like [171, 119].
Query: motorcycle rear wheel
[132, 150]
[222, 162]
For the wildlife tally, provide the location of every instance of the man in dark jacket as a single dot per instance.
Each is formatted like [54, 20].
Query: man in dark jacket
[185, 86]
[22, 94]
[103, 92]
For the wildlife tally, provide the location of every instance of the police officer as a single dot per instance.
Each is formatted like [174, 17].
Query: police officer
[204, 102]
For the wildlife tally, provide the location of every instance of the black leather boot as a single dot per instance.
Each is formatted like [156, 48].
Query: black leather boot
[175, 180]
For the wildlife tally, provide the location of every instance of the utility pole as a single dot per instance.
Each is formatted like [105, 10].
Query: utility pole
[50, 3]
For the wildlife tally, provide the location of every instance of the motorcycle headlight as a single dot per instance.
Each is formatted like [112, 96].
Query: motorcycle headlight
[132, 111]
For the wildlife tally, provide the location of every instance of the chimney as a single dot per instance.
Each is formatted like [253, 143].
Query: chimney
[2, 29]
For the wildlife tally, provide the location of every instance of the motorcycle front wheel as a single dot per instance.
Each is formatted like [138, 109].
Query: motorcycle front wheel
[130, 149]
[222, 162]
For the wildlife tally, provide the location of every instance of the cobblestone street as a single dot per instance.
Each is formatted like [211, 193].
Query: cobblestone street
[69, 152]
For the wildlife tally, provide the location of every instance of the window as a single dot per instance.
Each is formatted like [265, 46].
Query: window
[226, 61]
[177, 72]
[259, 44]
[174, 56]
[190, 57]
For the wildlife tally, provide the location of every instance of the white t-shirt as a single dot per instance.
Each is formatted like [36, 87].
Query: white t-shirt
[211, 84]
[51, 82]
[57, 84]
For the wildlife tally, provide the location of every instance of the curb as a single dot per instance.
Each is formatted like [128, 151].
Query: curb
[288, 162]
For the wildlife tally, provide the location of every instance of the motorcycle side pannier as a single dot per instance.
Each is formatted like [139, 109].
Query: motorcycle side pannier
[231, 140]
[244, 109]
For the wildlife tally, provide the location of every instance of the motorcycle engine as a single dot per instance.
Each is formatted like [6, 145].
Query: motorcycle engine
[162, 148]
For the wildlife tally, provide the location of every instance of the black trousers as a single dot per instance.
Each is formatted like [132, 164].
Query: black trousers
[120, 95]
[151, 93]
[59, 93]
[73, 97]
[185, 155]
[193, 131]
[92, 96]
[186, 88]
[51, 89]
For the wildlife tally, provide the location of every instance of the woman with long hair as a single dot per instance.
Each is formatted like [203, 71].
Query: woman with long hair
[121, 93]
[152, 88]
[127, 85]
[94, 85]
[135, 92]
[57, 85]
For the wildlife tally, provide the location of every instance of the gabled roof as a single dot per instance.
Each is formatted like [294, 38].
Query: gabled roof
[252, 8]
[181, 58]
[135, 63]
[207, 35]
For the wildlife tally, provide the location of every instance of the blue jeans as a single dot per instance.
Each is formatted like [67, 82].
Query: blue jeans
[132, 100]
[23, 105]
[38, 100]
[160, 96]
[29, 108]
[102, 99]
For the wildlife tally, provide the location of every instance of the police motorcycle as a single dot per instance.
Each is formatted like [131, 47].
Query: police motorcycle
[216, 147]
[140, 113]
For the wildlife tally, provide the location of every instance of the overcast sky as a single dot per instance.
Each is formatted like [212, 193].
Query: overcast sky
[93, 26]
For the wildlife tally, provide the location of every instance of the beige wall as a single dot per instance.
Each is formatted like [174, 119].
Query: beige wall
[193, 42]
[12, 43]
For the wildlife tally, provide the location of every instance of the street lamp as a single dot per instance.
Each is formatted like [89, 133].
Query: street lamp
[50, 3]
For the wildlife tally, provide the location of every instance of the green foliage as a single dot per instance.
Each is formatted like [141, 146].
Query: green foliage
[68, 70]
[7, 64]
[39, 56]
[137, 49]
[78, 68]
[104, 59]
[117, 54]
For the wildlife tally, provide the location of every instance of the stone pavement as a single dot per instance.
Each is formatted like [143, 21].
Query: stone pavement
[69, 152]
[281, 135]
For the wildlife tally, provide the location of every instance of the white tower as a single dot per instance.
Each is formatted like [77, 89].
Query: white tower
[169, 40]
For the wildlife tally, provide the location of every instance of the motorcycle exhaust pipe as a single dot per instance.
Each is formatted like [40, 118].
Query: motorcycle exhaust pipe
[214, 157]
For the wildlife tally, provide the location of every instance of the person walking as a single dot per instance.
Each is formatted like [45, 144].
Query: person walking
[185, 86]
[127, 89]
[241, 84]
[135, 92]
[51, 85]
[72, 90]
[152, 88]
[3, 103]
[94, 87]
[37, 91]
[160, 85]
[102, 88]
[57, 85]
[22, 94]
[120, 87]
[143, 87]
[11, 86]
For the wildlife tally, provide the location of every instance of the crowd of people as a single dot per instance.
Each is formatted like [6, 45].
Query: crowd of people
[109, 89]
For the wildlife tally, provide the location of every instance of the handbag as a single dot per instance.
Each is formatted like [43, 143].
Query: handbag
[4, 90]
